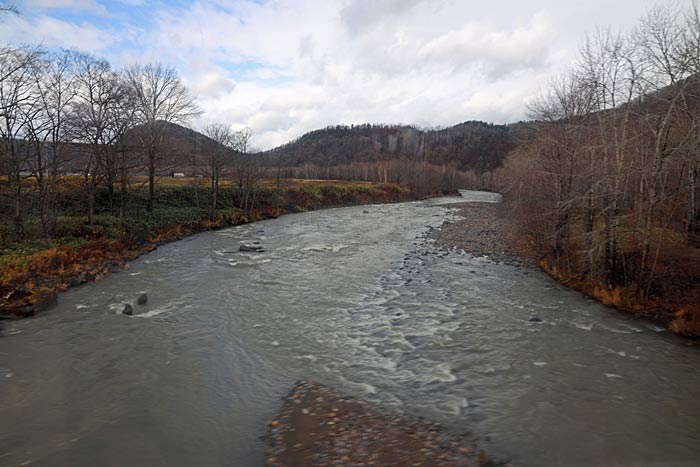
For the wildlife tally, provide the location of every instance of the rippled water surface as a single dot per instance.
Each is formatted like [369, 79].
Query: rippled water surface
[358, 300]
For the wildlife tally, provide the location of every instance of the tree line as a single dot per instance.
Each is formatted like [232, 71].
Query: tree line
[68, 115]
[606, 181]
[422, 177]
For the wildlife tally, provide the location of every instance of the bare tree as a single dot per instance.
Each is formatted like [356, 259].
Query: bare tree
[48, 131]
[162, 98]
[121, 156]
[16, 96]
[95, 111]
[610, 171]
[689, 56]
[219, 158]
[241, 144]
[248, 169]
[611, 69]
[661, 38]
[8, 7]
[559, 143]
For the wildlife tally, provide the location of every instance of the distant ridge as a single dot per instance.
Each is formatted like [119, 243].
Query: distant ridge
[471, 145]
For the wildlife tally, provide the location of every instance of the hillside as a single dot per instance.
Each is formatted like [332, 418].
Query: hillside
[181, 144]
[474, 146]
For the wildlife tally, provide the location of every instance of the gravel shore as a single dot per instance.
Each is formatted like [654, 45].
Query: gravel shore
[485, 230]
[318, 427]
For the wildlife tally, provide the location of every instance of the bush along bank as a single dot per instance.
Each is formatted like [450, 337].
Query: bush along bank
[34, 271]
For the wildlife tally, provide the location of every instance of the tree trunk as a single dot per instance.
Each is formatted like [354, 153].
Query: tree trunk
[693, 214]
[122, 194]
[110, 190]
[214, 194]
[151, 184]
[91, 205]
[19, 223]
[590, 225]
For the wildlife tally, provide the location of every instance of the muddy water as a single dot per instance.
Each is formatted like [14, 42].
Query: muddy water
[358, 300]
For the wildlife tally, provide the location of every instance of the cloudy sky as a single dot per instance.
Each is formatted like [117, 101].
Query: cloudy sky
[284, 67]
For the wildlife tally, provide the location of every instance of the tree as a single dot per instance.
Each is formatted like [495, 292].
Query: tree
[8, 7]
[608, 179]
[48, 131]
[219, 157]
[248, 169]
[121, 157]
[161, 98]
[16, 97]
[97, 116]
[689, 55]
[559, 145]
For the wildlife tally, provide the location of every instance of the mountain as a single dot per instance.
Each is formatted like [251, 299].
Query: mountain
[180, 143]
[470, 145]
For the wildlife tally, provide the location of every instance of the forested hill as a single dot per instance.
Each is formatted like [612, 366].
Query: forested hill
[180, 143]
[471, 145]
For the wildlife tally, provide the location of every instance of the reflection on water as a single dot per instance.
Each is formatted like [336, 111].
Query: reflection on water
[360, 301]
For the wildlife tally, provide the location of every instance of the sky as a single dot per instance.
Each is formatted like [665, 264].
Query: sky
[285, 67]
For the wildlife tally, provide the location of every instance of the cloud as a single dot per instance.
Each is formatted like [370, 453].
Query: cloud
[214, 84]
[49, 31]
[284, 67]
[359, 16]
[501, 52]
[296, 66]
[88, 6]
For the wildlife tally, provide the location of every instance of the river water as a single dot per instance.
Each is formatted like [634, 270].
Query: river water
[355, 298]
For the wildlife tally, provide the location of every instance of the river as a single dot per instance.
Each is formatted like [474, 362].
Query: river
[358, 299]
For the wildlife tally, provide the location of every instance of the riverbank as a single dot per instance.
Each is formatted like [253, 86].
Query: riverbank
[33, 274]
[486, 230]
[318, 426]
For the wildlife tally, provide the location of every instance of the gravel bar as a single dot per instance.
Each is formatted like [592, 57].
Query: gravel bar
[318, 426]
[485, 230]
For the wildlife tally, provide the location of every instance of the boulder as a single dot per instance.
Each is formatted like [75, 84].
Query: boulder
[143, 299]
[251, 248]
[128, 310]
[535, 319]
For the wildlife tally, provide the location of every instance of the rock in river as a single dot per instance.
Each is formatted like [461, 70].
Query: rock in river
[535, 319]
[251, 248]
[143, 299]
[128, 310]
